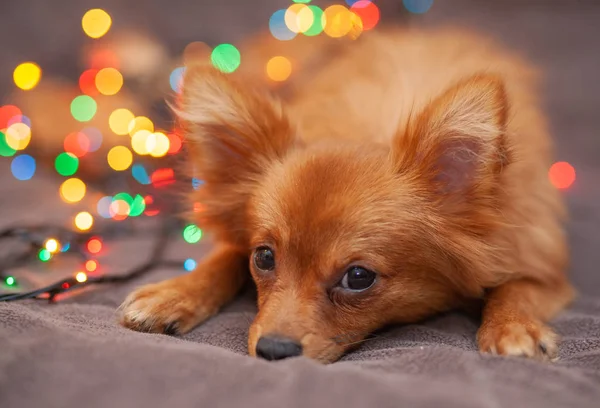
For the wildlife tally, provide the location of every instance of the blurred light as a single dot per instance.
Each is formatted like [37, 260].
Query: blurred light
[87, 82]
[562, 175]
[192, 234]
[44, 255]
[19, 119]
[140, 123]
[7, 112]
[103, 206]
[84, 221]
[109, 81]
[418, 6]
[27, 75]
[23, 167]
[176, 79]
[298, 18]
[94, 137]
[18, 136]
[5, 149]
[337, 21]
[196, 183]
[119, 210]
[368, 13]
[139, 141]
[10, 281]
[103, 58]
[52, 245]
[189, 264]
[119, 120]
[91, 265]
[316, 27]
[66, 164]
[279, 68]
[174, 143]
[302, 1]
[149, 200]
[119, 158]
[357, 26]
[77, 143]
[140, 174]
[94, 245]
[96, 23]
[83, 108]
[157, 144]
[80, 277]
[124, 197]
[162, 177]
[198, 207]
[226, 58]
[72, 190]
[351, 2]
[66, 285]
[196, 51]
[65, 247]
[278, 28]
[138, 206]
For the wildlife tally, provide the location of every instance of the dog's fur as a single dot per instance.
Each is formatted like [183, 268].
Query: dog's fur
[419, 155]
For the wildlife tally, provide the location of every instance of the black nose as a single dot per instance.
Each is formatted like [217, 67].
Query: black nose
[277, 348]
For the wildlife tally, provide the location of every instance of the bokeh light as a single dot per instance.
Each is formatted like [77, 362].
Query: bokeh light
[94, 245]
[278, 28]
[137, 207]
[119, 209]
[18, 136]
[66, 164]
[103, 58]
[19, 119]
[139, 142]
[162, 177]
[77, 143]
[192, 234]
[368, 13]
[316, 27]
[302, 1]
[189, 264]
[52, 245]
[562, 175]
[103, 206]
[96, 23]
[279, 68]
[197, 183]
[176, 79]
[91, 265]
[5, 149]
[80, 277]
[417, 6]
[108, 81]
[298, 18]
[72, 190]
[7, 112]
[119, 121]
[27, 75]
[196, 52]
[139, 173]
[140, 123]
[157, 144]
[10, 281]
[83, 108]
[226, 58]
[84, 221]
[87, 82]
[44, 255]
[119, 158]
[150, 210]
[337, 21]
[94, 138]
[23, 167]
[175, 143]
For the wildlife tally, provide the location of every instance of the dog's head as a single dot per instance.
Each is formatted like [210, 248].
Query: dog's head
[346, 238]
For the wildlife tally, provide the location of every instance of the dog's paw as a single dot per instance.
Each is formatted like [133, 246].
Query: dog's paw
[165, 307]
[524, 338]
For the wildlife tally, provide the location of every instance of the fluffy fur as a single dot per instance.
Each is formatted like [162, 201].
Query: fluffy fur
[419, 155]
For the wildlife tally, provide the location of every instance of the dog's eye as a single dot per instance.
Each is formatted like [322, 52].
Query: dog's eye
[357, 279]
[264, 259]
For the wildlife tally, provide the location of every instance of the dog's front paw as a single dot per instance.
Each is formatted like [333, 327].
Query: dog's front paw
[166, 307]
[524, 337]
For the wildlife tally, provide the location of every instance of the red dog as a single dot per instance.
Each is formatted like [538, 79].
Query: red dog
[404, 177]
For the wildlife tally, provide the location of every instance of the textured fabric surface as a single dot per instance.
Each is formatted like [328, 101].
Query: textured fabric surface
[74, 354]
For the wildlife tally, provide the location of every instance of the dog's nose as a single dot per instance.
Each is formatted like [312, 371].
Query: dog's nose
[277, 348]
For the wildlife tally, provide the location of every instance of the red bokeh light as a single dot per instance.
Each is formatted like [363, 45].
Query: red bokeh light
[174, 143]
[7, 112]
[162, 177]
[77, 143]
[94, 245]
[103, 58]
[562, 175]
[87, 82]
[368, 13]
[150, 212]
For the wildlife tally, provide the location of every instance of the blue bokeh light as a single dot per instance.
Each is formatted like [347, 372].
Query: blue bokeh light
[278, 28]
[176, 79]
[418, 6]
[190, 264]
[23, 167]
[140, 174]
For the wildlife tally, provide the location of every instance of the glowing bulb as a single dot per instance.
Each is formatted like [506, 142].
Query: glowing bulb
[109, 81]
[27, 75]
[80, 277]
[189, 264]
[562, 175]
[72, 190]
[84, 221]
[52, 245]
[91, 265]
[279, 68]
[119, 158]
[96, 23]
[44, 255]
[119, 121]
[192, 234]
[10, 281]
[94, 245]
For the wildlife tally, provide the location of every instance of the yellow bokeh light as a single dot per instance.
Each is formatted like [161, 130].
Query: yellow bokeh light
[96, 23]
[291, 16]
[18, 136]
[139, 142]
[357, 26]
[337, 21]
[72, 190]
[119, 158]
[279, 68]
[140, 123]
[119, 209]
[108, 81]
[119, 120]
[52, 245]
[157, 144]
[84, 221]
[27, 75]
[80, 277]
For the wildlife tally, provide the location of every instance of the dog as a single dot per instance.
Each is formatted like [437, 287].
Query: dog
[401, 176]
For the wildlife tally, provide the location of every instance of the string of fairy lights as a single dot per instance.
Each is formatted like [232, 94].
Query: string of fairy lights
[110, 143]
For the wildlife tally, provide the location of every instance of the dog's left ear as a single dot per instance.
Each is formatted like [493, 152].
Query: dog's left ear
[233, 133]
[457, 144]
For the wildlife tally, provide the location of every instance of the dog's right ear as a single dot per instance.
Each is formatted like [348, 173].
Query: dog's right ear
[234, 133]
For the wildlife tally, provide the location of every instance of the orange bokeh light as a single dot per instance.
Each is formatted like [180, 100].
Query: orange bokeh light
[562, 175]
[94, 245]
[87, 82]
[77, 143]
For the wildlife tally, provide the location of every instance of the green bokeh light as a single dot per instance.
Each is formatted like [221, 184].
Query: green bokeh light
[192, 234]
[10, 281]
[66, 164]
[317, 26]
[5, 149]
[83, 108]
[226, 58]
[137, 206]
[44, 255]
[124, 197]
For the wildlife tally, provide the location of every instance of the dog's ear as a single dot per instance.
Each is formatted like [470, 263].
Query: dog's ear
[457, 144]
[233, 134]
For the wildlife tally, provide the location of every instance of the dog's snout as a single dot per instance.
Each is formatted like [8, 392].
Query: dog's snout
[277, 348]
